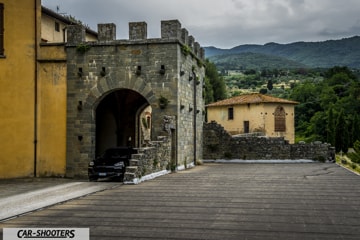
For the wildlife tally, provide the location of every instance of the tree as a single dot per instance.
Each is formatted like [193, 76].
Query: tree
[263, 91]
[216, 82]
[317, 128]
[250, 72]
[208, 91]
[330, 128]
[355, 129]
[327, 97]
[341, 134]
[337, 69]
[320, 106]
[307, 94]
[270, 85]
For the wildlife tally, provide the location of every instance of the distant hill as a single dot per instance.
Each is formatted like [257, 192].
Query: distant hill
[344, 52]
[249, 60]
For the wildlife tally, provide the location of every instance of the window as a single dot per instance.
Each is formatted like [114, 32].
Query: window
[57, 27]
[230, 113]
[280, 119]
[1, 29]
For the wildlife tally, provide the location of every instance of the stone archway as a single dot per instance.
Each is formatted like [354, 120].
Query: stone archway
[132, 98]
[117, 119]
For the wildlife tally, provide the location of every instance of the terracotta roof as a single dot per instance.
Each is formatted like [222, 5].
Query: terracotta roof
[250, 98]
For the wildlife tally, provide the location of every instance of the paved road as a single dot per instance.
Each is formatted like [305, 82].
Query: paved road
[218, 201]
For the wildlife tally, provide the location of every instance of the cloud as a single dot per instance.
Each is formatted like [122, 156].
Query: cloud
[225, 23]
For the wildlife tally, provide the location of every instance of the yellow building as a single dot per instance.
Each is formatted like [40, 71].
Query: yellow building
[19, 38]
[251, 113]
[32, 89]
[54, 27]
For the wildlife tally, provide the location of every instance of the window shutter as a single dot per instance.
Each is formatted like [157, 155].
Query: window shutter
[280, 119]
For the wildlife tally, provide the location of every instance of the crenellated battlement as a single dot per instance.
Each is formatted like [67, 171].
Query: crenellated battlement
[170, 31]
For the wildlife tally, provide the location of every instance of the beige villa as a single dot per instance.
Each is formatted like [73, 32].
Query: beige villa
[255, 112]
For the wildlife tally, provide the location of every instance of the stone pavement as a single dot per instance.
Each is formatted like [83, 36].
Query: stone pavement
[218, 201]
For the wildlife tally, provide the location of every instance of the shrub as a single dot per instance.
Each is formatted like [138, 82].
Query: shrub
[355, 156]
[353, 165]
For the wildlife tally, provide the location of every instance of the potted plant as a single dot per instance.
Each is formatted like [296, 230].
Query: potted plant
[163, 102]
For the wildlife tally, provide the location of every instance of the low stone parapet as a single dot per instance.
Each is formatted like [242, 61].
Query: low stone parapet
[218, 144]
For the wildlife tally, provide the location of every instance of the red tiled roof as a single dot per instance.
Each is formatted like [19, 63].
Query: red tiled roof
[251, 98]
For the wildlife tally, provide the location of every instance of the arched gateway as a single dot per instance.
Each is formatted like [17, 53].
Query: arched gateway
[118, 120]
[120, 91]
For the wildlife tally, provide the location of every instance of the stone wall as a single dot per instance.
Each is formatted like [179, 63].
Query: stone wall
[218, 144]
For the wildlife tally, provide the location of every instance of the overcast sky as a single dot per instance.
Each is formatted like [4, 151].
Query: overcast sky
[225, 23]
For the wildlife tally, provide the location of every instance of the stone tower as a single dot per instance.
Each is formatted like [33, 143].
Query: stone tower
[111, 82]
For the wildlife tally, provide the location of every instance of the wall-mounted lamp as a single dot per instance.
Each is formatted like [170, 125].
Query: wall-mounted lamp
[80, 138]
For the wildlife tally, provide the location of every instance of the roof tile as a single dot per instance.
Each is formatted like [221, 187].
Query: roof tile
[251, 98]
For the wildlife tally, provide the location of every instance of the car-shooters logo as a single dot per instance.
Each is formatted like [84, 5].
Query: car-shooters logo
[46, 233]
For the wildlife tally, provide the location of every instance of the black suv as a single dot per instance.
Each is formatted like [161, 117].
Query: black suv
[111, 164]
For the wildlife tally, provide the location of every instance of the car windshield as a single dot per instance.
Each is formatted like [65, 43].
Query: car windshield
[116, 153]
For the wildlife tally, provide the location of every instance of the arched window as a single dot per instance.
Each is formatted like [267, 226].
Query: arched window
[280, 119]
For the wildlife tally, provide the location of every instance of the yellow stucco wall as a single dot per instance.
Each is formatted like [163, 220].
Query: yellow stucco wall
[50, 35]
[17, 82]
[48, 32]
[260, 117]
[33, 93]
[51, 147]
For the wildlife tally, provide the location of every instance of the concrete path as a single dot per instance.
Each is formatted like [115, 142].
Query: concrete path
[26, 195]
[218, 201]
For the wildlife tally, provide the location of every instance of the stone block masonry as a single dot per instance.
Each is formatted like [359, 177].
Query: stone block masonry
[219, 144]
[149, 161]
[152, 68]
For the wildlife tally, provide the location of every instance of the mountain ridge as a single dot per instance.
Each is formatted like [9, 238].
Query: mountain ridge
[322, 54]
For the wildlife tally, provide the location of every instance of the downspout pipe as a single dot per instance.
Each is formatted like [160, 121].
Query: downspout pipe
[194, 116]
[36, 85]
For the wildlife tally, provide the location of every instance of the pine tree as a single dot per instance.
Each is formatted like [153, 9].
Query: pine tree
[330, 128]
[270, 85]
[355, 129]
[341, 134]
